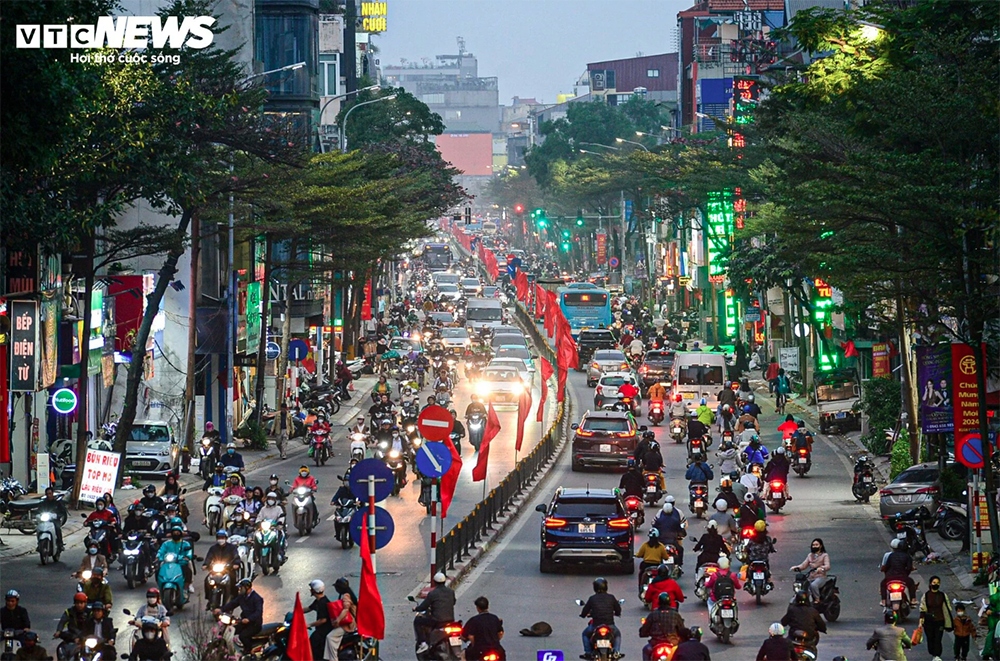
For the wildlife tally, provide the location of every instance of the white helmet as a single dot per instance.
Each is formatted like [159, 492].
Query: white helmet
[776, 629]
[896, 543]
[779, 450]
[713, 525]
[670, 499]
[721, 505]
[667, 508]
[440, 578]
[748, 497]
[317, 586]
[723, 562]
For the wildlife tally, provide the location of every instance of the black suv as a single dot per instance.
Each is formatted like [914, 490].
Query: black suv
[591, 340]
[604, 439]
[656, 367]
[585, 526]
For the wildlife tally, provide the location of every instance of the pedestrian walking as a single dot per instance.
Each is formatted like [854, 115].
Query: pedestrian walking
[935, 617]
[283, 428]
[965, 631]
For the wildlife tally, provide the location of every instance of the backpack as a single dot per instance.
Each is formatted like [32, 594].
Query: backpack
[784, 386]
[724, 587]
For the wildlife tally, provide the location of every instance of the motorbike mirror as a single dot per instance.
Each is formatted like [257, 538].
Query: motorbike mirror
[579, 602]
[126, 611]
[621, 601]
[572, 426]
[540, 508]
[83, 516]
[183, 491]
[643, 428]
[411, 598]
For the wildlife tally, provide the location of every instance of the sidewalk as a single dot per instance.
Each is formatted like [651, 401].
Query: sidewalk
[16, 544]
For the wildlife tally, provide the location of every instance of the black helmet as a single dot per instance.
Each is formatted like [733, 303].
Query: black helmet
[648, 436]
[149, 490]
[600, 585]
[696, 633]
[663, 571]
[801, 598]
[663, 601]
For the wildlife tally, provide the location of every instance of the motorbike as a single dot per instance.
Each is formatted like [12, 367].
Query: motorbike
[213, 509]
[136, 552]
[230, 502]
[442, 396]
[777, 497]
[704, 573]
[803, 645]
[476, 424]
[11, 643]
[100, 534]
[456, 440]
[898, 598]
[221, 587]
[653, 492]
[952, 519]
[302, 499]
[758, 581]
[725, 620]
[444, 641]
[346, 508]
[829, 595]
[655, 413]
[698, 493]
[209, 452]
[170, 580]
[909, 527]
[45, 536]
[864, 486]
[662, 651]
[602, 640]
[801, 461]
[245, 552]
[636, 511]
[359, 443]
[267, 546]
[319, 450]
[740, 548]
[396, 461]
[678, 429]
[696, 449]
[221, 644]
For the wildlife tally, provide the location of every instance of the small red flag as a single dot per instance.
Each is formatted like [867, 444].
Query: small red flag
[523, 409]
[450, 479]
[298, 636]
[492, 429]
[547, 373]
[541, 297]
[567, 359]
[371, 616]
[551, 309]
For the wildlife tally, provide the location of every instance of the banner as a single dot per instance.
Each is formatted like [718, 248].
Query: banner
[880, 361]
[602, 248]
[965, 392]
[934, 379]
[99, 474]
[24, 351]
[366, 304]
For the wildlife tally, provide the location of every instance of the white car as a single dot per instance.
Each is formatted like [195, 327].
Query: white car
[471, 286]
[513, 363]
[516, 351]
[454, 340]
[450, 292]
[500, 384]
[606, 391]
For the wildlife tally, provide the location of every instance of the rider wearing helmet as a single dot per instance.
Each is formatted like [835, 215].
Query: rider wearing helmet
[652, 552]
[691, 646]
[438, 607]
[149, 500]
[663, 625]
[74, 618]
[652, 460]
[216, 479]
[306, 480]
[632, 483]
[747, 420]
[148, 645]
[14, 616]
[234, 487]
[776, 647]
[251, 617]
[777, 469]
[152, 612]
[232, 458]
[30, 649]
[898, 564]
[224, 552]
[97, 589]
[181, 548]
[321, 625]
[672, 526]
[803, 616]
[601, 608]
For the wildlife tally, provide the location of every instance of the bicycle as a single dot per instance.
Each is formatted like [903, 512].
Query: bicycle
[780, 399]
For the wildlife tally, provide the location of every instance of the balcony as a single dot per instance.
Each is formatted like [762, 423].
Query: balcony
[712, 51]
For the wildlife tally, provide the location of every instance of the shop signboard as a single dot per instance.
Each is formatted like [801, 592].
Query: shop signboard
[24, 346]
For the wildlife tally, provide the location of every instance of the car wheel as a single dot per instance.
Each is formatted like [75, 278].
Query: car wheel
[627, 566]
[576, 466]
[545, 565]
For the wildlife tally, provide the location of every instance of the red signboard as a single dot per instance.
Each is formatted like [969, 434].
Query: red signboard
[366, 305]
[880, 360]
[965, 392]
[435, 423]
[602, 248]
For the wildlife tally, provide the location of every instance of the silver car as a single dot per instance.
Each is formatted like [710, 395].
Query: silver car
[917, 486]
[605, 360]
[152, 448]
[454, 340]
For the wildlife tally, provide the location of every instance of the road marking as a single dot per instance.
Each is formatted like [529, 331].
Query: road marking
[331, 517]
[300, 540]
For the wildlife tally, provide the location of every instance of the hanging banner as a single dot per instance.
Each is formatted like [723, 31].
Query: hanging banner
[880, 360]
[934, 377]
[24, 346]
[253, 317]
[965, 389]
[4, 403]
[602, 248]
[99, 474]
[366, 304]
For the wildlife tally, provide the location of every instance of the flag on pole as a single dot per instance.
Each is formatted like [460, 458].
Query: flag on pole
[566, 357]
[540, 299]
[547, 373]
[450, 479]
[370, 613]
[523, 409]
[298, 636]
[492, 429]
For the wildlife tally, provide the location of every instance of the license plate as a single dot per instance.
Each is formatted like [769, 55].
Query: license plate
[867, 478]
[605, 447]
[651, 488]
[603, 643]
[895, 596]
[777, 494]
[901, 535]
[455, 640]
[143, 464]
[803, 460]
[758, 576]
[677, 430]
[699, 504]
[689, 395]
[727, 612]
[586, 527]
[841, 415]
[904, 499]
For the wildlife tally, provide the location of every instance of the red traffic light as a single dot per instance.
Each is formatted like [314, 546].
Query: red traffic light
[518, 208]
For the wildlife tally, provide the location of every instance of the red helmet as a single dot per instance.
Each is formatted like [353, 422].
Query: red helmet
[678, 397]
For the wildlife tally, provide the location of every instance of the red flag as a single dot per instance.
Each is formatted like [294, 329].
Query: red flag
[522, 286]
[492, 429]
[523, 409]
[551, 309]
[567, 359]
[540, 298]
[450, 479]
[370, 615]
[298, 637]
[547, 373]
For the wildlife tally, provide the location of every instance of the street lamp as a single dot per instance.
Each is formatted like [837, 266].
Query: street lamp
[334, 98]
[631, 142]
[343, 124]
[289, 67]
[597, 144]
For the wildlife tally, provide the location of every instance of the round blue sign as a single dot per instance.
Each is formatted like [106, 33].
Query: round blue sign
[384, 526]
[298, 350]
[969, 451]
[433, 459]
[272, 350]
[613, 262]
[358, 479]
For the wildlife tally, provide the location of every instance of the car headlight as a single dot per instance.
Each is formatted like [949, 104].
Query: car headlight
[482, 388]
[518, 389]
[219, 567]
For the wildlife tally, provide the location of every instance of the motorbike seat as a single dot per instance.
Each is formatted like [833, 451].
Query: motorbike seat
[24, 505]
[267, 630]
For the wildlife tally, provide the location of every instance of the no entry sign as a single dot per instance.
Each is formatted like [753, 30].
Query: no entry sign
[969, 450]
[435, 423]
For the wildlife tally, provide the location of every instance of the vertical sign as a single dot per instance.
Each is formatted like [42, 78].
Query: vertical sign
[366, 304]
[24, 346]
[937, 414]
[99, 474]
[966, 391]
[880, 360]
[719, 229]
[253, 317]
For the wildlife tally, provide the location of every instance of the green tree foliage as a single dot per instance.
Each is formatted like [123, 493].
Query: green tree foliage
[404, 119]
[880, 403]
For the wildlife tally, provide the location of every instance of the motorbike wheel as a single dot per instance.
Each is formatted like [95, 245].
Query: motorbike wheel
[334, 406]
[725, 636]
[757, 597]
[213, 522]
[130, 577]
[833, 611]
[44, 551]
[169, 599]
[265, 566]
[952, 528]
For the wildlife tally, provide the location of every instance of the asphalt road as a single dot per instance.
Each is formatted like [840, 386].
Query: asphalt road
[822, 506]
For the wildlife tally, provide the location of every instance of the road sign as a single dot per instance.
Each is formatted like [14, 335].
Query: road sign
[969, 450]
[64, 401]
[613, 262]
[272, 351]
[435, 423]
[433, 459]
[297, 350]
[358, 479]
[752, 314]
[384, 526]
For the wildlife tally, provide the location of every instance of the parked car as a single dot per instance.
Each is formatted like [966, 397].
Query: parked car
[606, 391]
[656, 367]
[591, 340]
[151, 448]
[585, 526]
[606, 360]
[604, 439]
[917, 486]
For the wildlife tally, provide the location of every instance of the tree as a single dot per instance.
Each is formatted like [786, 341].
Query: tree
[405, 119]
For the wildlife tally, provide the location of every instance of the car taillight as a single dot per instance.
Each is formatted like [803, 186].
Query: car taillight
[624, 434]
[602, 631]
[584, 432]
[595, 366]
[452, 630]
[624, 367]
[600, 390]
[619, 523]
[554, 522]
[927, 490]
[776, 485]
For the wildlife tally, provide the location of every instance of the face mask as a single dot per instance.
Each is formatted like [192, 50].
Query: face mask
[151, 601]
[274, 481]
[271, 502]
[935, 587]
[815, 549]
[149, 635]
[92, 551]
[303, 475]
[230, 451]
[221, 541]
[100, 508]
[176, 536]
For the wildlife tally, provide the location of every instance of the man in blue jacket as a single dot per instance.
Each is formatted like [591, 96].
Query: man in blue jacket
[251, 607]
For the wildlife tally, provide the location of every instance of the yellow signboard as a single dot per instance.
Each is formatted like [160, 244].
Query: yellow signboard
[374, 16]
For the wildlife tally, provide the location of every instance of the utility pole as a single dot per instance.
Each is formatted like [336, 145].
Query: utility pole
[350, 46]
[192, 355]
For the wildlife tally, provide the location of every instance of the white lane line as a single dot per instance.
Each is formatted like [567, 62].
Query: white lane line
[300, 540]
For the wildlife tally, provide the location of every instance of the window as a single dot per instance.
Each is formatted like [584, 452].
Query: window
[329, 79]
[652, 73]
[431, 99]
[578, 509]
[617, 425]
[700, 375]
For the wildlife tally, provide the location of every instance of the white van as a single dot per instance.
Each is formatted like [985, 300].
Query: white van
[697, 375]
[483, 312]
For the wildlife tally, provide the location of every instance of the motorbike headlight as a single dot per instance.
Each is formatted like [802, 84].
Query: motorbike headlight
[170, 557]
[416, 442]
[226, 619]
[90, 643]
[302, 491]
[86, 575]
[46, 516]
[265, 526]
[206, 442]
[394, 454]
[410, 428]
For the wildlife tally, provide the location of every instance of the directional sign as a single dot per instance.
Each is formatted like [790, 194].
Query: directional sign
[613, 262]
[384, 526]
[433, 459]
[358, 479]
[272, 350]
[297, 350]
[435, 423]
[969, 450]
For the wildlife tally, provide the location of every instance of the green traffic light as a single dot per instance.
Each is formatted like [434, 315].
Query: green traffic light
[565, 234]
[565, 246]
[579, 221]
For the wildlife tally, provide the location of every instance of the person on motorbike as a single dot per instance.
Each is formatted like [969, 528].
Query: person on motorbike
[705, 415]
[697, 428]
[890, 640]
[232, 458]
[816, 566]
[722, 517]
[726, 397]
[320, 626]
[719, 583]
[760, 546]
[439, 608]
[657, 393]
[97, 589]
[251, 607]
[216, 479]
[898, 565]
[383, 387]
[274, 486]
[182, 549]
[52, 505]
[234, 487]
[223, 551]
[672, 527]
[711, 545]
[751, 511]
[652, 552]
[636, 349]
[91, 561]
[601, 608]
[801, 440]
[643, 446]
[776, 647]
[663, 584]
[102, 628]
[153, 609]
[755, 409]
[699, 472]
[747, 421]
[803, 616]
[150, 501]
[788, 427]
[652, 462]
[212, 433]
[149, 646]
[632, 483]
[483, 631]
[457, 426]
[663, 625]
[777, 469]
[729, 457]
[726, 418]
[254, 501]
[755, 453]
[727, 492]
[384, 408]
[13, 616]
[304, 479]
[359, 427]
[678, 409]
[443, 382]
[30, 649]
[74, 619]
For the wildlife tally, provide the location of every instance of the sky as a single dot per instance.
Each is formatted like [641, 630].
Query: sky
[536, 48]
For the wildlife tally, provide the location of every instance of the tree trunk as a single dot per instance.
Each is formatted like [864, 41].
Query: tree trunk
[286, 331]
[135, 367]
[909, 395]
[192, 354]
[83, 383]
[265, 315]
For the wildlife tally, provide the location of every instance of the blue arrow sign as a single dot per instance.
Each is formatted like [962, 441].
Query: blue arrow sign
[433, 459]
[384, 526]
[358, 479]
[297, 350]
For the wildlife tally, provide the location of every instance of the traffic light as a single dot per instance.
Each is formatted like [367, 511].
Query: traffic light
[579, 219]
[566, 245]
[519, 209]
[565, 235]
[539, 215]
